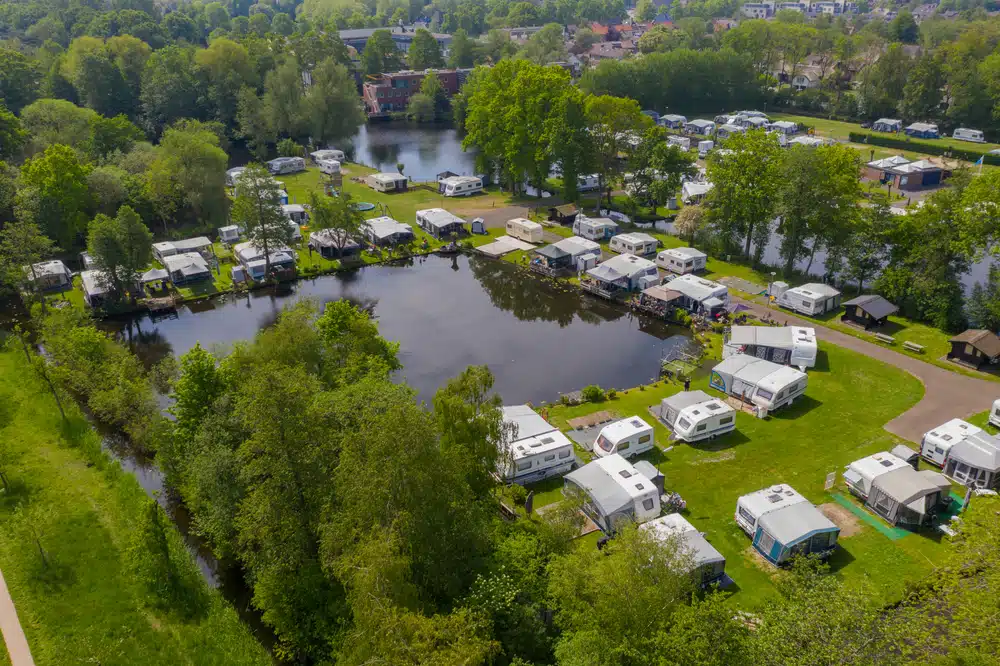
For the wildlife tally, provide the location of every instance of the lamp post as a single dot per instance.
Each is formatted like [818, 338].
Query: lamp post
[770, 286]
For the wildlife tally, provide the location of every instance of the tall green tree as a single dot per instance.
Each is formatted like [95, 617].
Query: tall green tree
[283, 100]
[546, 46]
[53, 194]
[170, 88]
[122, 249]
[337, 215]
[186, 181]
[226, 68]
[462, 52]
[614, 123]
[743, 201]
[923, 94]
[331, 107]
[658, 168]
[22, 245]
[257, 209]
[425, 52]
[12, 134]
[866, 245]
[380, 54]
[19, 79]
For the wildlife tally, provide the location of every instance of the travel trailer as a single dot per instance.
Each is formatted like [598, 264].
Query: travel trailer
[168, 248]
[594, 228]
[965, 134]
[767, 385]
[698, 295]
[639, 244]
[628, 437]
[387, 182]
[329, 167]
[995, 414]
[936, 444]
[624, 272]
[439, 223]
[588, 183]
[328, 154]
[682, 260]
[569, 254]
[232, 175]
[704, 148]
[860, 474]
[897, 492]
[615, 492]
[229, 234]
[536, 449]
[783, 523]
[50, 274]
[694, 415]
[682, 142]
[297, 214]
[526, 230]
[282, 165]
[789, 345]
[810, 299]
[460, 186]
[708, 565]
[252, 259]
[975, 461]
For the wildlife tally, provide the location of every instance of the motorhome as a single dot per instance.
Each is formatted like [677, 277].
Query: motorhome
[707, 563]
[682, 260]
[788, 345]
[966, 134]
[782, 523]
[588, 183]
[526, 230]
[387, 182]
[639, 244]
[810, 299]
[594, 228]
[936, 444]
[329, 167]
[628, 437]
[281, 165]
[700, 296]
[327, 154]
[764, 384]
[460, 186]
[694, 415]
[614, 492]
[704, 148]
[535, 449]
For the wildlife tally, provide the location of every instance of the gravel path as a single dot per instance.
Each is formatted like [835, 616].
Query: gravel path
[947, 395]
[10, 627]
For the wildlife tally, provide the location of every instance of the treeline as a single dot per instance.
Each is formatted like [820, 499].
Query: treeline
[369, 530]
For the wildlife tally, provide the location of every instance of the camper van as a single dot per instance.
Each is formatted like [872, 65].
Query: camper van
[282, 165]
[704, 148]
[460, 186]
[694, 415]
[615, 492]
[639, 244]
[767, 385]
[682, 260]
[628, 437]
[588, 183]
[936, 443]
[526, 230]
[329, 167]
[536, 449]
[965, 134]
[810, 299]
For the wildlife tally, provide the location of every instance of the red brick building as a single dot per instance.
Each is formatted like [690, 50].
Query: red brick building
[391, 92]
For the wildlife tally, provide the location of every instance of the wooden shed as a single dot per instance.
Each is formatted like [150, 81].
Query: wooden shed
[975, 347]
[870, 311]
[565, 214]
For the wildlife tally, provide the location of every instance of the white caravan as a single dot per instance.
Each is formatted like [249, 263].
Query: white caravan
[588, 183]
[704, 148]
[966, 134]
[762, 383]
[628, 437]
[682, 260]
[860, 474]
[810, 299]
[282, 165]
[615, 492]
[329, 167]
[694, 415]
[526, 230]
[788, 345]
[936, 443]
[995, 414]
[328, 154]
[461, 186]
[535, 449]
[639, 244]
[682, 142]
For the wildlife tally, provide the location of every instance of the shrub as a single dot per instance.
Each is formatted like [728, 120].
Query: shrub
[612, 393]
[916, 145]
[288, 148]
[593, 393]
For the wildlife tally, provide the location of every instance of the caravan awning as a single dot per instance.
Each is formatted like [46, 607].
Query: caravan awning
[906, 485]
[552, 252]
[154, 275]
[605, 273]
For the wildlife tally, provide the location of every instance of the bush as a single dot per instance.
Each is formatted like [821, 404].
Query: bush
[593, 393]
[612, 393]
[919, 146]
[288, 148]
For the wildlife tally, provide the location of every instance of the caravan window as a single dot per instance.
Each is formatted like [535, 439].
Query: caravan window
[644, 439]
[550, 457]
[766, 542]
[767, 395]
[623, 446]
[523, 466]
[565, 454]
[746, 515]
[647, 504]
[605, 444]
[684, 424]
[701, 427]
[725, 420]
[938, 450]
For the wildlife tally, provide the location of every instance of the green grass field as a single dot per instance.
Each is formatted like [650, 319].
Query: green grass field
[86, 607]
[849, 399]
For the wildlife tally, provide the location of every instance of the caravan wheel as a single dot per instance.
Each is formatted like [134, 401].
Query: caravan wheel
[711, 437]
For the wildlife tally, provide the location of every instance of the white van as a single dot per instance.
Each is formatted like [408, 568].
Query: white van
[628, 437]
[460, 186]
[966, 134]
[936, 443]
[329, 167]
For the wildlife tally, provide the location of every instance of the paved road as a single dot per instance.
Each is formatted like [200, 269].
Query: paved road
[10, 627]
[947, 395]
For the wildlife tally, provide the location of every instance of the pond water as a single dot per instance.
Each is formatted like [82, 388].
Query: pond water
[424, 150]
[539, 338]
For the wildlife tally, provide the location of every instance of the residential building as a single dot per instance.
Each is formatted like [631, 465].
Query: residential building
[391, 92]
[402, 36]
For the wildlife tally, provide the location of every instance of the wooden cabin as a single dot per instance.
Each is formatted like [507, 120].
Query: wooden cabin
[870, 311]
[975, 348]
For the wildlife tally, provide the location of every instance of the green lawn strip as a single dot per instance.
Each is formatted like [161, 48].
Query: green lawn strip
[86, 606]
[849, 399]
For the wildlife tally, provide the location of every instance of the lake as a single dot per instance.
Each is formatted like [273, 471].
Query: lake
[424, 150]
[539, 338]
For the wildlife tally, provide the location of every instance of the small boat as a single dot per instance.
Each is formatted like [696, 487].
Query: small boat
[450, 248]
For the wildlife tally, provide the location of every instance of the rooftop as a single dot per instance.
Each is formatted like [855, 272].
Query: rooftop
[439, 218]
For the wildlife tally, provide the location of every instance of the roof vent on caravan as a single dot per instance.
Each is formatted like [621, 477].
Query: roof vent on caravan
[774, 499]
[713, 406]
[776, 489]
[638, 486]
[636, 423]
[887, 463]
[547, 440]
[625, 473]
[535, 444]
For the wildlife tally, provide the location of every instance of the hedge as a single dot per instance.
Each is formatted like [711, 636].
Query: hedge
[918, 146]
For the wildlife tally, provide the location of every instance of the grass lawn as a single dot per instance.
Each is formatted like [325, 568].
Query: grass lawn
[849, 399]
[86, 606]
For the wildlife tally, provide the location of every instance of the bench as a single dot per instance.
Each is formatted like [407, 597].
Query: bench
[913, 347]
[887, 339]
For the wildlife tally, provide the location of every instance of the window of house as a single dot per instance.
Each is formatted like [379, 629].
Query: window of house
[647, 504]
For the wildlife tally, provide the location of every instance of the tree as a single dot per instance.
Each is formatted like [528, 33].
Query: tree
[584, 39]
[186, 181]
[338, 216]
[689, 221]
[922, 95]
[22, 244]
[122, 249]
[100, 85]
[746, 182]
[984, 302]
[52, 121]
[424, 53]
[883, 82]
[904, 28]
[19, 79]
[658, 168]
[170, 88]
[110, 135]
[612, 122]
[53, 193]
[645, 11]
[226, 68]
[462, 50]
[331, 107]
[866, 251]
[253, 123]
[12, 135]
[283, 99]
[546, 46]
[380, 54]
[257, 209]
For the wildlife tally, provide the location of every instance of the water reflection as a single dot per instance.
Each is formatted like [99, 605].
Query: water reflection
[425, 150]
